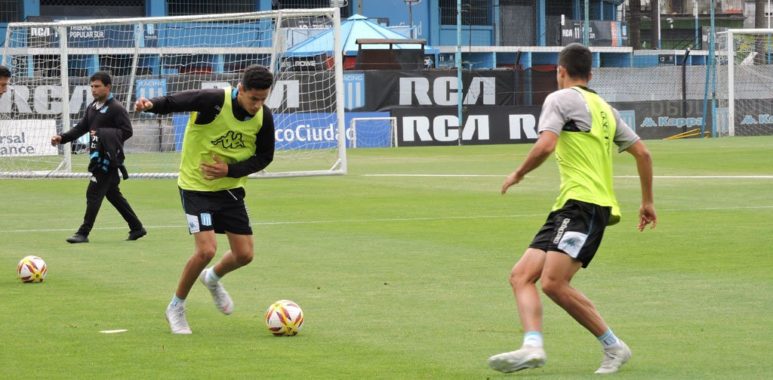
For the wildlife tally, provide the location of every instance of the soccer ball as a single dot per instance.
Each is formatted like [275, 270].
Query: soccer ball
[31, 269]
[284, 318]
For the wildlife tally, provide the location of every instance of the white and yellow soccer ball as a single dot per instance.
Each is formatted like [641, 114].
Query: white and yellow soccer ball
[31, 269]
[284, 318]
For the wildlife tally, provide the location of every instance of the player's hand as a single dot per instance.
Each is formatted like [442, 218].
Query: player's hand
[513, 179]
[143, 104]
[56, 140]
[647, 216]
[215, 170]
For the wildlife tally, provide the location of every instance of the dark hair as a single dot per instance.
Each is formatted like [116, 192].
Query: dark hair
[257, 77]
[4, 72]
[103, 77]
[577, 60]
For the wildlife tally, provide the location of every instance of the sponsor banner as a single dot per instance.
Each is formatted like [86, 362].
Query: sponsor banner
[318, 131]
[85, 36]
[313, 130]
[387, 89]
[661, 119]
[29, 137]
[33, 96]
[753, 124]
[602, 33]
[427, 126]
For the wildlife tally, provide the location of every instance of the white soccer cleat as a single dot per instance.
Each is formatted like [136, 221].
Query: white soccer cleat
[175, 315]
[614, 358]
[524, 358]
[222, 300]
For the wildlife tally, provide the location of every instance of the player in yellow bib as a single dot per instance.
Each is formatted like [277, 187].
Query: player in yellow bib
[584, 132]
[229, 135]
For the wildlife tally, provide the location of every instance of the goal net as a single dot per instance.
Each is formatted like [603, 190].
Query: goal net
[51, 64]
[745, 82]
[372, 132]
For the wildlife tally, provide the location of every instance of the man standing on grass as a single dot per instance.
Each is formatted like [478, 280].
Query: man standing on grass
[580, 127]
[109, 127]
[230, 134]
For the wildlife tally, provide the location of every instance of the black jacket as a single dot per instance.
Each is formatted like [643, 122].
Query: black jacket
[110, 115]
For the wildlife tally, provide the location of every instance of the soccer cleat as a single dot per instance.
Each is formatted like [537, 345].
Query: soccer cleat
[524, 358]
[175, 315]
[614, 358]
[222, 300]
[78, 238]
[134, 235]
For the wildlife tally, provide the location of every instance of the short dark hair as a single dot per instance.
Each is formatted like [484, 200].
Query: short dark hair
[4, 72]
[577, 60]
[103, 77]
[257, 77]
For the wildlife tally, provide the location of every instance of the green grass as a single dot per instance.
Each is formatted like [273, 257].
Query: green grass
[400, 277]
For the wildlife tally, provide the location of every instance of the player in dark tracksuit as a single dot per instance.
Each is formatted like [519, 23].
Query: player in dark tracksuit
[107, 122]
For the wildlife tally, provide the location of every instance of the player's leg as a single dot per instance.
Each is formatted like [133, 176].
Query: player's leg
[240, 254]
[206, 246]
[120, 203]
[95, 193]
[556, 277]
[575, 247]
[234, 221]
[197, 207]
[523, 280]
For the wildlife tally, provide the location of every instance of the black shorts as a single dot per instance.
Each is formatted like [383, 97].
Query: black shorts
[222, 211]
[575, 229]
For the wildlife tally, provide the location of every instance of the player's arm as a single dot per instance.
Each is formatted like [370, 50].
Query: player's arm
[123, 123]
[264, 150]
[542, 149]
[644, 165]
[263, 155]
[185, 101]
[78, 130]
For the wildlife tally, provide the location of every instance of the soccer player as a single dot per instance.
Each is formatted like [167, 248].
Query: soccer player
[107, 122]
[5, 77]
[230, 134]
[581, 128]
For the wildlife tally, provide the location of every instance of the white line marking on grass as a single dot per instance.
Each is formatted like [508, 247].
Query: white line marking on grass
[118, 331]
[433, 175]
[620, 176]
[703, 176]
[182, 227]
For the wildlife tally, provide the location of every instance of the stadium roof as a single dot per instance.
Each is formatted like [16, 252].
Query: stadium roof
[354, 28]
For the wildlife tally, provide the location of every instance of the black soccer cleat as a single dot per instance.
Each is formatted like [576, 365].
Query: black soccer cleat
[78, 238]
[134, 235]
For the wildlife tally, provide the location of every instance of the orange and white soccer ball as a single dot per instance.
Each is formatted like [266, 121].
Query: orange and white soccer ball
[31, 269]
[284, 318]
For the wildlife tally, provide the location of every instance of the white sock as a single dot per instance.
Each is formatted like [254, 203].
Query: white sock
[176, 301]
[211, 276]
[532, 339]
[608, 339]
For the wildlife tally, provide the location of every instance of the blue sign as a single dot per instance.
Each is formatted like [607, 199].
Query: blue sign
[315, 130]
[354, 91]
[150, 88]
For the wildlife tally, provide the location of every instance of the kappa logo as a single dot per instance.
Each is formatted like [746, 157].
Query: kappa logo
[230, 140]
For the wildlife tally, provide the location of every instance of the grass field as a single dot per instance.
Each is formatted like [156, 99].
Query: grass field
[401, 277]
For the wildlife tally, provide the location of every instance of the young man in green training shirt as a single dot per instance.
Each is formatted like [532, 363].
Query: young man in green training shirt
[584, 131]
[230, 134]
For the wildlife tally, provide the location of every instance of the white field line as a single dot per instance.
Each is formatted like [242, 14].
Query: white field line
[182, 226]
[620, 176]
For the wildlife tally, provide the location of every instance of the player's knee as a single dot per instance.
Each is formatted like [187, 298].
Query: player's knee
[206, 253]
[244, 258]
[519, 277]
[551, 287]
